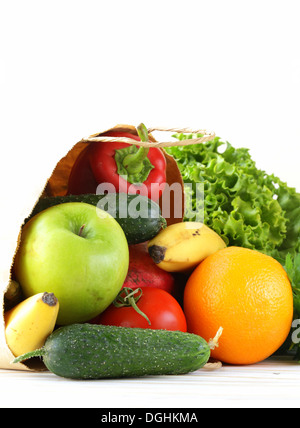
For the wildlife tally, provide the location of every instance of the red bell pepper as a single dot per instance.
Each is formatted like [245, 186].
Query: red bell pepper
[128, 167]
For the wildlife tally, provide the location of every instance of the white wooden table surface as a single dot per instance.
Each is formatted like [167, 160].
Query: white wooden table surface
[272, 383]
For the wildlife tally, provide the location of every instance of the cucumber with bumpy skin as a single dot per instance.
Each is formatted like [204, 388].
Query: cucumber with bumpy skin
[89, 351]
[139, 217]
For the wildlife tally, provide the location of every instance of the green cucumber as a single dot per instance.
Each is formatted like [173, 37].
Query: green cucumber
[90, 351]
[139, 217]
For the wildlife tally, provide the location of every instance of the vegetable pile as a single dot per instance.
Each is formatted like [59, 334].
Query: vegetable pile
[120, 280]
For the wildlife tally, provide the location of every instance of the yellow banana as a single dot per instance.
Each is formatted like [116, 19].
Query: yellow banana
[28, 324]
[182, 246]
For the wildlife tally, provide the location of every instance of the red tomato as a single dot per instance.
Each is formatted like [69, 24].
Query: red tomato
[162, 310]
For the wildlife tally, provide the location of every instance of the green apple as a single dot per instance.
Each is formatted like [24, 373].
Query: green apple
[76, 251]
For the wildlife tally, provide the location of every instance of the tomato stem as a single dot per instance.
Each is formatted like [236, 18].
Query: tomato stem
[130, 299]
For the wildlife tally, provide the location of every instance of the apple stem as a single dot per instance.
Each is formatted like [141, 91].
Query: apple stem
[80, 230]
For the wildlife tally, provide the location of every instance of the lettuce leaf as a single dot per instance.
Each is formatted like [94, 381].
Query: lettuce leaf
[292, 267]
[242, 203]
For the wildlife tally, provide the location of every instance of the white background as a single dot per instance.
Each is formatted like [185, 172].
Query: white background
[71, 68]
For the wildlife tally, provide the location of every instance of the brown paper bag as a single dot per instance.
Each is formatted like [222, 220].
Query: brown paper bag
[57, 185]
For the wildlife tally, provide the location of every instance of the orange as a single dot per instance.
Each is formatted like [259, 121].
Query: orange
[249, 295]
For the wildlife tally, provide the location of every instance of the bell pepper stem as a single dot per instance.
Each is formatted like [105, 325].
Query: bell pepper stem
[143, 133]
[134, 162]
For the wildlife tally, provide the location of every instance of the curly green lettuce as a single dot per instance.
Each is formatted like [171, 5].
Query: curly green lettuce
[243, 204]
[292, 267]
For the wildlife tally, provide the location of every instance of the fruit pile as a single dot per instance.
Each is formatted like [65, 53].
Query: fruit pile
[102, 285]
